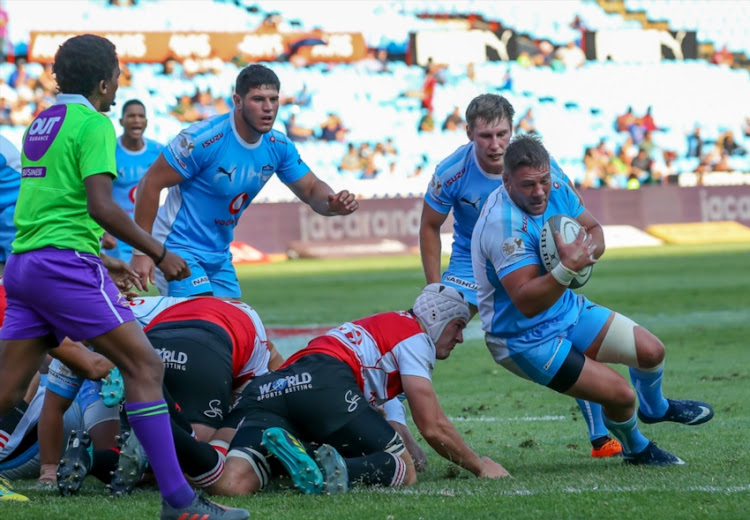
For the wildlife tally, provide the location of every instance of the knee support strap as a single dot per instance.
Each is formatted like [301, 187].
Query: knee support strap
[618, 345]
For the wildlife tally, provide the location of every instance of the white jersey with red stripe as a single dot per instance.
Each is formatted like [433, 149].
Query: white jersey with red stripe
[379, 349]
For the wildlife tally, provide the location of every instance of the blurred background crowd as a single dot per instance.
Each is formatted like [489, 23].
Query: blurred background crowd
[385, 117]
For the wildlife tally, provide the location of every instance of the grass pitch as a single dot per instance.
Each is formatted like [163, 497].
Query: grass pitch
[694, 298]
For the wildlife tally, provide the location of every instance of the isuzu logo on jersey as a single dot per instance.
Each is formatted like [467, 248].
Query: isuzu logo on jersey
[173, 359]
[285, 385]
[236, 205]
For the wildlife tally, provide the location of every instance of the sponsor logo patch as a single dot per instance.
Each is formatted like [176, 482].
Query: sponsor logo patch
[285, 385]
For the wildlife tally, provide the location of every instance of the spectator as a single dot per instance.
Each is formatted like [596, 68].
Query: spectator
[633, 182]
[19, 75]
[526, 124]
[3, 33]
[390, 149]
[332, 129]
[730, 146]
[648, 144]
[47, 79]
[723, 164]
[454, 121]
[642, 166]
[426, 123]
[126, 77]
[746, 127]
[624, 121]
[592, 170]
[185, 111]
[647, 121]
[204, 105]
[723, 56]
[695, 143]
[351, 162]
[377, 163]
[507, 81]
[571, 56]
[303, 98]
[297, 133]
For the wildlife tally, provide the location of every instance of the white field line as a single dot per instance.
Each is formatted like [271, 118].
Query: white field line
[542, 418]
[564, 490]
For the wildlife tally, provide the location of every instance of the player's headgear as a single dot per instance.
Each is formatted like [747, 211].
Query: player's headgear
[437, 306]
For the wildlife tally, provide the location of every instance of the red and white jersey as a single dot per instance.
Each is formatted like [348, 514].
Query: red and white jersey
[250, 354]
[379, 349]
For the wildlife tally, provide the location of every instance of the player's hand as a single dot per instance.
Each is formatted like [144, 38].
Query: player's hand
[577, 254]
[342, 203]
[418, 456]
[108, 241]
[174, 267]
[491, 469]
[123, 276]
[144, 269]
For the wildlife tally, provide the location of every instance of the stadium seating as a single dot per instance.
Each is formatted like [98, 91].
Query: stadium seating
[574, 109]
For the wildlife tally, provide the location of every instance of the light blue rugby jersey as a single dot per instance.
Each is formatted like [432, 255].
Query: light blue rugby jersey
[506, 239]
[131, 167]
[460, 184]
[223, 174]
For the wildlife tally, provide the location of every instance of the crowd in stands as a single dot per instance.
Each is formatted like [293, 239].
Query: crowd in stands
[429, 105]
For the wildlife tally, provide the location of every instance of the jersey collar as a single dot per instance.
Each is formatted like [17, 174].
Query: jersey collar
[74, 99]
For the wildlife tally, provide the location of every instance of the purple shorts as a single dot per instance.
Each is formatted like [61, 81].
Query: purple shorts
[63, 292]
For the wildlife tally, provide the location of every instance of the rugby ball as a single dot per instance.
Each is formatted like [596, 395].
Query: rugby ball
[568, 228]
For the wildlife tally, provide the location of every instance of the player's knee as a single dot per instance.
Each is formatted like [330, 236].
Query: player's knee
[146, 369]
[237, 479]
[650, 348]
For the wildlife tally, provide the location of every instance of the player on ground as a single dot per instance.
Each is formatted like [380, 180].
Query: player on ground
[133, 155]
[214, 169]
[10, 180]
[324, 393]
[461, 183]
[64, 201]
[541, 330]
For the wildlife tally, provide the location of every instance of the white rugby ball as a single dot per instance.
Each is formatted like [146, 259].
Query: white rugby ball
[568, 228]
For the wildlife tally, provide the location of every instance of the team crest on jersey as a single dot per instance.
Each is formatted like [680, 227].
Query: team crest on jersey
[185, 145]
[512, 246]
[556, 185]
[436, 187]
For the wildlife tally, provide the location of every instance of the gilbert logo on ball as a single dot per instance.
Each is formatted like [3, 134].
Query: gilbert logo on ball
[568, 228]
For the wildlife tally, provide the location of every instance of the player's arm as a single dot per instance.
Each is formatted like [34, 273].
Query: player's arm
[440, 433]
[321, 198]
[82, 361]
[159, 175]
[532, 293]
[276, 359]
[430, 246]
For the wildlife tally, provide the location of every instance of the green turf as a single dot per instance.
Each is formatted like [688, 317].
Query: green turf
[696, 299]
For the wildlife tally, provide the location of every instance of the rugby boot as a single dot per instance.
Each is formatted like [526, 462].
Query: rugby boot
[611, 448]
[681, 411]
[130, 466]
[7, 493]
[75, 463]
[653, 456]
[113, 388]
[333, 467]
[202, 509]
[306, 475]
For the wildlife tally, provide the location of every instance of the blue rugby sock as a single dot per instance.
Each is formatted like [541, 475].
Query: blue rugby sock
[627, 433]
[647, 383]
[592, 414]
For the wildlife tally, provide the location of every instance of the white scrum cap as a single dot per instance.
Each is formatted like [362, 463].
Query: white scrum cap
[437, 306]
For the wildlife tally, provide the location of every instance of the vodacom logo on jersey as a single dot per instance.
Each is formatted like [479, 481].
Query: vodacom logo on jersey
[237, 203]
[131, 194]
